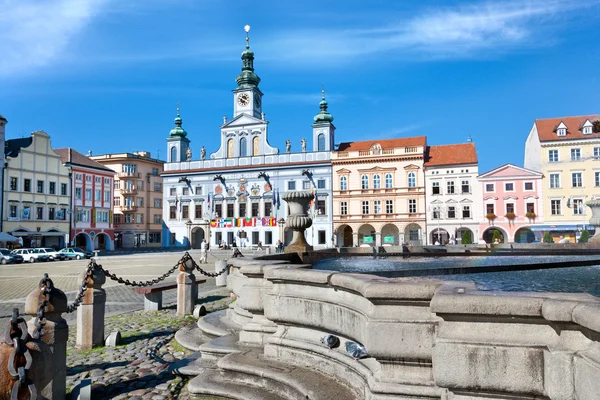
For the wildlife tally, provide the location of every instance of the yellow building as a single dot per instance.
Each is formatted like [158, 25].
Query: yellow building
[567, 152]
[137, 198]
[36, 193]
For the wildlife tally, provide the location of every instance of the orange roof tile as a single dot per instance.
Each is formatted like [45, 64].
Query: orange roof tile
[384, 143]
[546, 128]
[451, 154]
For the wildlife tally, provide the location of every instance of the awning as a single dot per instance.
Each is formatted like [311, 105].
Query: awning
[5, 237]
[29, 233]
[538, 228]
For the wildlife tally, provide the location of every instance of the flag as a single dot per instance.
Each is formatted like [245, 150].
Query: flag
[277, 199]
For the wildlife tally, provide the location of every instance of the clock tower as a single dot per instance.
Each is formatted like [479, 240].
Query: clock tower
[247, 97]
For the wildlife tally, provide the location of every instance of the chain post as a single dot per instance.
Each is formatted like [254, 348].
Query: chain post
[90, 304]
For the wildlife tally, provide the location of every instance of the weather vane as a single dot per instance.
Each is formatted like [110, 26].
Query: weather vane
[247, 29]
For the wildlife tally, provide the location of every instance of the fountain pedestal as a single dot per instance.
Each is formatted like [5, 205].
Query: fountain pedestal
[595, 220]
[298, 220]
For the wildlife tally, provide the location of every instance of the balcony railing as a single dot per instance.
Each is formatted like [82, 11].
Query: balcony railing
[128, 208]
[129, 190]
[129, 174]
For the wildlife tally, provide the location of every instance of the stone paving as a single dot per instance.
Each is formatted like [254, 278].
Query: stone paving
[137, 369]
[18, 280]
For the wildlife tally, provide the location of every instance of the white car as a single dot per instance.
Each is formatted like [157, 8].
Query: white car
[51, 253]
[30, 255]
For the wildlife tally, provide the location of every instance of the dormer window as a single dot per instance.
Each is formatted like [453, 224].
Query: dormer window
[561, 129]
[587, 128]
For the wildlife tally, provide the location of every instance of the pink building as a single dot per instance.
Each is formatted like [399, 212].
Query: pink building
[512, 203]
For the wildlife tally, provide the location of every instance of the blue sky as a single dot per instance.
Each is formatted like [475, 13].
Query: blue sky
[105, 75]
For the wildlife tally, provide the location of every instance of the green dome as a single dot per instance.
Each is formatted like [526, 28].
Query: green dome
[178, 130]
[247, 79]
[323, 116]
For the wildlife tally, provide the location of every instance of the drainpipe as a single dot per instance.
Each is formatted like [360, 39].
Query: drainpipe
[71, 233]
[4, 167]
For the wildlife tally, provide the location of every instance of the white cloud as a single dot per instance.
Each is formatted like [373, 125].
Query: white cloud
[35, 33]
[472, 30]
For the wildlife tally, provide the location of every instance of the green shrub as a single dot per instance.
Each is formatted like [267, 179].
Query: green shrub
[584, 237]
[467, 238]
[497, 235]
[548, 238]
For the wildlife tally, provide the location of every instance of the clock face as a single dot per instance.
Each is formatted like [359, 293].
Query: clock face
[243, 99]
[257, 101]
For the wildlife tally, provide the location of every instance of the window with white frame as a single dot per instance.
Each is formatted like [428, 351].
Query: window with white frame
[597, 153]
[376, 206]
[412, 206]
[343, 183]
[291, 185]
[98, 195]
[102, 216]
[107, 181]
[139, 218]
[388, 181]
[596, 178]
[577, 179]
[552, 155]
[321, 184]
[129, 218]
[129, 168]
[88, 178]
[88, 194]
[140, 202]
[466, 212]
[157, 203]
[116, 185]
[344, 208]
[554, 181]
[117, 201]
[450, 187]
[465, 186]
[436, 213]
[451, 212]
[389, 206]
[509, 187]
[305, 185]
[98, 179]
[106, 196]
[365, 207]
[528, 185]
[575, 154]
[555, 207]
[435, 187]
[364, 182]
[587, 130]
[198, 190]
[78, 193]
[172, 191]
[185, 191]
[561, 131]
[376, 181]
[412, 180]
[489, 187]
[13, 211]
[578, 207]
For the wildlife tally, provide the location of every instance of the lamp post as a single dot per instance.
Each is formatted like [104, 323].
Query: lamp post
[437, 210]
[281, 224]
[579, 230]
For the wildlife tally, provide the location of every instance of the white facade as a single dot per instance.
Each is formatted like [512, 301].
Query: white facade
[234, 194]
[451, 213]
[3, 123]
[533, 148]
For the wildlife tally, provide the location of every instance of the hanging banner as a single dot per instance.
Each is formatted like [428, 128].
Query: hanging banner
[242, 222]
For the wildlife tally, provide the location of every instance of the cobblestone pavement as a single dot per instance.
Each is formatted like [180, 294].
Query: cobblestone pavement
[137, 369]
[18, 280]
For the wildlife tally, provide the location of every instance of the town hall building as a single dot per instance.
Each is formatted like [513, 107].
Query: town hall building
[234, 195]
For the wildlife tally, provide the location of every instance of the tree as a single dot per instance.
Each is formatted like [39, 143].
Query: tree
[596, 126]
[497, 236]
[548, 238]
[467, 238]
[584, 237]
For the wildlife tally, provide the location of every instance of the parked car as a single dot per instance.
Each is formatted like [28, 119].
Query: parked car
[51, 253]
[30, 255]
[6, 257]
[76, 253]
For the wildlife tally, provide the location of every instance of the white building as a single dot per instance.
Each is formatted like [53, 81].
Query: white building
[234, 194]
[453, 193]
[3, 123]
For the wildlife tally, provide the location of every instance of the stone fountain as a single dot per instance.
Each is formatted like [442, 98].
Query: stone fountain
[298, 220]
[595, 220]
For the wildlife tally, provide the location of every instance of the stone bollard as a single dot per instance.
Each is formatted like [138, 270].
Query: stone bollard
[56, 334]
[187, 291]
[90, 314]
[221, 279]
[267, 250]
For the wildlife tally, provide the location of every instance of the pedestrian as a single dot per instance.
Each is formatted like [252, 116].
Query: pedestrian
[260, 246]
[203, 252]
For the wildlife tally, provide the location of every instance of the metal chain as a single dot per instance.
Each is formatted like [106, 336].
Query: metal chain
[20, 360]
[45, 296]
[209, 274]
[88, 272]
[135, 283]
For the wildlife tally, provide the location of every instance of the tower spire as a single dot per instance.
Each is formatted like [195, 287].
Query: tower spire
[178, 130]
[247, 79]
[323, 116]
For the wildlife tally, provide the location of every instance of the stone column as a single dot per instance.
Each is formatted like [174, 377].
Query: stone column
[186, 287]
[90, 314]
[56, 334]
[377, 239]
[354, 239]
[595, 220]
[221, 279]
[298, 220]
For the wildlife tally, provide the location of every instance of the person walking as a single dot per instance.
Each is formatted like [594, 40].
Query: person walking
[203, 252]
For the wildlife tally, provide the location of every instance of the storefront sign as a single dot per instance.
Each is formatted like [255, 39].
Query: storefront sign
[388, 239]
[368, 239]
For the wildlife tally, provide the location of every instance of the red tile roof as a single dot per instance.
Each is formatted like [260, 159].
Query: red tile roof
[451, 154]
[546, 128]
[384, 143]
[68, 155]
